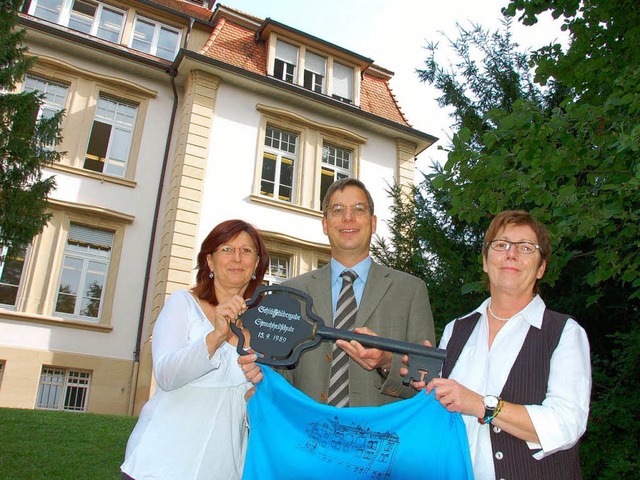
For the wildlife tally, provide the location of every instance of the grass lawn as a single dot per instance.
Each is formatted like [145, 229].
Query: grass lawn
[41, 444]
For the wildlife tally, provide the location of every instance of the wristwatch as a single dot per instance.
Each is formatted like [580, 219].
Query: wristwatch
[490, 404]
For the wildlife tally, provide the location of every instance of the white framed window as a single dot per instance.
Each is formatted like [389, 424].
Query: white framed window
[336, 165]
[81, 288]
[286, 260]
[63, 389]
[55, 94]
[87, 16]
[12, 261]
[321, 263]
[47, 9]
[111, 137]
[342, 83]
[299, 159]
[279, 269]
[155, 38]
[278, 163]
[315, 69]
[286, 62]
[315, 72]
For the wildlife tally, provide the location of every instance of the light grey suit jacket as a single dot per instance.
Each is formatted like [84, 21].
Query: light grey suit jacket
[394, 305]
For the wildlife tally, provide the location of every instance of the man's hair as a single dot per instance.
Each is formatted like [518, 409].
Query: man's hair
[340, 185]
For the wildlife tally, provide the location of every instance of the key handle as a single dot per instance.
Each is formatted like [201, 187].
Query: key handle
[282, 325]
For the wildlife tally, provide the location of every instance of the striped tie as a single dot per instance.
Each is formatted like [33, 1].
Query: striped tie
[345, 318]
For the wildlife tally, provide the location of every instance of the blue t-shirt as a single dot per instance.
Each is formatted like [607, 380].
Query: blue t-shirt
[294, 437]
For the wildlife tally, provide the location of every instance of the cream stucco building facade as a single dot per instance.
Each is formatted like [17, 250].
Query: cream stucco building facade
[179, 115]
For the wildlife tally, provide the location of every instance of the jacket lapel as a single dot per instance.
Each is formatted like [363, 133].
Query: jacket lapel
[320, 290]
[378, 282]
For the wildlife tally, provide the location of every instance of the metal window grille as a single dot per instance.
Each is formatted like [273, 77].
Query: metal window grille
[62, 389]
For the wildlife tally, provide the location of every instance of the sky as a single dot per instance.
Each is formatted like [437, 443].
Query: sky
[393, 33]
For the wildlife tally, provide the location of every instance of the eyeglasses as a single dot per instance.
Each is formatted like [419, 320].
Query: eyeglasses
[526, 248]
[338, 209]
[228, 250]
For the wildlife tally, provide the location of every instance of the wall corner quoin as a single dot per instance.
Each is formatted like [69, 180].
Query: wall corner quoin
[405, 164]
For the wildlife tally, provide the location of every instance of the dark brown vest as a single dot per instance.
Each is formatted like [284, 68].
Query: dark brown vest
[525, 385]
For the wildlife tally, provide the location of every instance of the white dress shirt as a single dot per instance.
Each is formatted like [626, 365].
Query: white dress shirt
[194, 426]
[562, 418]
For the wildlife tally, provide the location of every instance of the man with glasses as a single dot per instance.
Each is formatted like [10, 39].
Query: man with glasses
[390, 303]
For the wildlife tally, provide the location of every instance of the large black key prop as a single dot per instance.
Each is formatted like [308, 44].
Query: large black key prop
[282, 326]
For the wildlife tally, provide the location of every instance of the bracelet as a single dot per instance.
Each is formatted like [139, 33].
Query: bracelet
[488, 419]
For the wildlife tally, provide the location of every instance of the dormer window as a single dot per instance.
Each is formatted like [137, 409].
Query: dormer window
[315, 72]
[322, 74]
[286, 61]
[342, 83]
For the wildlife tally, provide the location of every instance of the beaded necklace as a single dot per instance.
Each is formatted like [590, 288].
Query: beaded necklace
[502, 319]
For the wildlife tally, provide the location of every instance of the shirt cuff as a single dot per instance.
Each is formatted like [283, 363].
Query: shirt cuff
[216, 359]
[549, 432]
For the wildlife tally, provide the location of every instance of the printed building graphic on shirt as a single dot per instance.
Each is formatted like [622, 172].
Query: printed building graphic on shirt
[367, 453]
[179, 114]
[293, 436]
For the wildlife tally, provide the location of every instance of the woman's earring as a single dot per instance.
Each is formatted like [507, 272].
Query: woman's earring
[210, 274]
[253, 277]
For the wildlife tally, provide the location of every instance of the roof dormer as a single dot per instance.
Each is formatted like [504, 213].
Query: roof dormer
[312, 63]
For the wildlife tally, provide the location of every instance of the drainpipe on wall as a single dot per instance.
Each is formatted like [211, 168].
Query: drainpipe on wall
[165, 160]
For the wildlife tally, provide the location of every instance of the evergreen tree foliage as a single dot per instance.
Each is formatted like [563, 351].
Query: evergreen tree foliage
[435, 247]
[27, 140]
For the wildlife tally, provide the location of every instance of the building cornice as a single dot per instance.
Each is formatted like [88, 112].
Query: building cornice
[91, 209]
[187, 60]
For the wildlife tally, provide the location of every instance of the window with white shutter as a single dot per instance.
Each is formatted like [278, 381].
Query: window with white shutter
[84, 272]
[286, 62]
[342, 83]
[315, 72]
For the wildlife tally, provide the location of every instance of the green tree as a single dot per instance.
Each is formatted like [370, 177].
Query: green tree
[426, 240]
[435, 247]
[599, 130]
[563, 145]
[27, 140]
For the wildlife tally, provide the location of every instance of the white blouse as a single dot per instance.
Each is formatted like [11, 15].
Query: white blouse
[194, 426]
[562, 418]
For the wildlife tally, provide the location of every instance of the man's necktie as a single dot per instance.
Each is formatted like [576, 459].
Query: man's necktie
[345, 319]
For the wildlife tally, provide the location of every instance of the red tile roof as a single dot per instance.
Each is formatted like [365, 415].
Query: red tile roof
[236, 45]
[376, 97]
[233, 44]
[196, 11]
